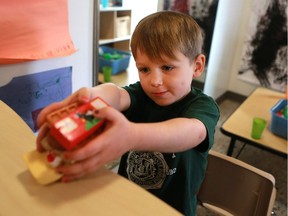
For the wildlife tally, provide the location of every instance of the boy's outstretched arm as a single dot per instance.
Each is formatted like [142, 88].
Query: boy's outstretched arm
[121, 135]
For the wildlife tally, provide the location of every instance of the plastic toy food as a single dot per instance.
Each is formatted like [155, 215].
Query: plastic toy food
[70, 127]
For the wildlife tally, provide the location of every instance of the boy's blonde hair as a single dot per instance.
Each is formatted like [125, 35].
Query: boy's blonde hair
[162, 33]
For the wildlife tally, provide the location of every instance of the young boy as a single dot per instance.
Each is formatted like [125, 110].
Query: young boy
[161, 126]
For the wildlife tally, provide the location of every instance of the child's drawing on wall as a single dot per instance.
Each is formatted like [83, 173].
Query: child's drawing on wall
[264, 59]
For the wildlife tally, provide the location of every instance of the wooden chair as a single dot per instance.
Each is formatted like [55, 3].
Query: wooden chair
[232, 187]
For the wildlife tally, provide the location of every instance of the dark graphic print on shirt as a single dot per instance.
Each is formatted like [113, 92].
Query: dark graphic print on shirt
[147, 169]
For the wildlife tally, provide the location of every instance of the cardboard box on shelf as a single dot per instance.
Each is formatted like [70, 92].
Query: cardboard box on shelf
[122, 26]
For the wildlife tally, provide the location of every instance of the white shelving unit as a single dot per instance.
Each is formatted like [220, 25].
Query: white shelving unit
[115, 32]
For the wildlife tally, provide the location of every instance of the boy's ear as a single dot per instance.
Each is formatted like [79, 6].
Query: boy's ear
[199, 65]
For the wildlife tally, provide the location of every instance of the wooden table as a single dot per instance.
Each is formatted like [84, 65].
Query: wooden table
[104, 193]
[239, 125]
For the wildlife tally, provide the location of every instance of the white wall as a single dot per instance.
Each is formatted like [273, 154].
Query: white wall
[81, 29]
[141, 9]
[226, 50]
[236, 85]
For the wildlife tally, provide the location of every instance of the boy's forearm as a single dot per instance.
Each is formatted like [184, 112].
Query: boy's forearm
[113, 95]
[174, 135]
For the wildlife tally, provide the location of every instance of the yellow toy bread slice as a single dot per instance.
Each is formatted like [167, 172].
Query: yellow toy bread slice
[40, 168]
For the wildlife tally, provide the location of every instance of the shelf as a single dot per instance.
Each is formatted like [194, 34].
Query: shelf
[115, 32]
[108, 9]
[115, 24]
[112, 40]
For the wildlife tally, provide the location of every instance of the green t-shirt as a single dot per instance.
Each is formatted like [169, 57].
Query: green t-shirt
[173, 177]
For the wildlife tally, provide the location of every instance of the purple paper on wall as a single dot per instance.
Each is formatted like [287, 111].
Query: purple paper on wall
[27, 95]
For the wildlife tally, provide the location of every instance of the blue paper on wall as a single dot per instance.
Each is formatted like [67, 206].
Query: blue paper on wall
[27, 95]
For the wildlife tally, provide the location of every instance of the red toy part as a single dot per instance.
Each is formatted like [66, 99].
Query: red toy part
[75, 124]
[51, 157]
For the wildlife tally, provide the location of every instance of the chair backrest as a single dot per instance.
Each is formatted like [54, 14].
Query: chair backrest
[232, 187]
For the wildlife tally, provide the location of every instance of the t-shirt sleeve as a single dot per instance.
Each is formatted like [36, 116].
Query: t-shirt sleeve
[206, 110]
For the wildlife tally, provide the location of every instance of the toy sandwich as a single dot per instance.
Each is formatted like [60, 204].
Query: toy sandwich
[70, 128]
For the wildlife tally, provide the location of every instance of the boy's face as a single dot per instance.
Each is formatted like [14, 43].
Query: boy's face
[170, 80]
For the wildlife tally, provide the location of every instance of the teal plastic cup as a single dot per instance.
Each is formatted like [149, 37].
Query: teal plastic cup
[105, 3]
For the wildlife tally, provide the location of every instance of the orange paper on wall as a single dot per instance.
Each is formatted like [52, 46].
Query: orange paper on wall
[33, 29]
